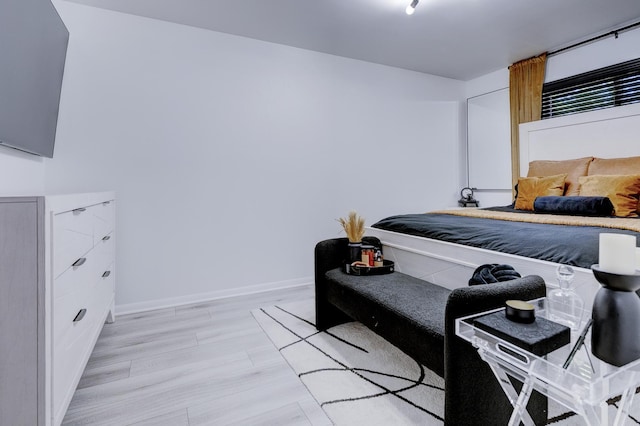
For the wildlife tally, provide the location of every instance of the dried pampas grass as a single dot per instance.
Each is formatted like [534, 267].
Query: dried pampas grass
[353, 226]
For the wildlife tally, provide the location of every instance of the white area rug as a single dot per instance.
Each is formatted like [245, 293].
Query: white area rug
[358, 377]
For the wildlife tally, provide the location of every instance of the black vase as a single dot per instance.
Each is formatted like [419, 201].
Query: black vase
[355, 252]
[615, 334]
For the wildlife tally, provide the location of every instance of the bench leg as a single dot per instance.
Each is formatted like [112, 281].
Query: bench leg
[328, 315]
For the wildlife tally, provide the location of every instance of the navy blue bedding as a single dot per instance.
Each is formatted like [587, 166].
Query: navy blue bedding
[569, 245]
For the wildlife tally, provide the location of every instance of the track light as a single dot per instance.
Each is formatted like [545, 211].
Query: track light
[412, 7]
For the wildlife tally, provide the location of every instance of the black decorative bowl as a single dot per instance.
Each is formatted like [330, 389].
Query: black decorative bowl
[616, 281]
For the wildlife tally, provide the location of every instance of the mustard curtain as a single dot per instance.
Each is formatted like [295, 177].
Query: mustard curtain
[525, 95]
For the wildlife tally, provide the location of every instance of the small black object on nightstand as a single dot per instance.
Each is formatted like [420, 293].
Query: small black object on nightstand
[466, 198]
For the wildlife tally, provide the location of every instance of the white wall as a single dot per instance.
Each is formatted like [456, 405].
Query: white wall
[232, 157]
[605, 52]
[602, 53]
[20, 173]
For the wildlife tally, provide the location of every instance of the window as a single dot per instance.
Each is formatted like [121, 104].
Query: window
[602, 88]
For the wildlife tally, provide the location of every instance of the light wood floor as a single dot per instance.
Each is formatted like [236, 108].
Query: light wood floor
[208, 363]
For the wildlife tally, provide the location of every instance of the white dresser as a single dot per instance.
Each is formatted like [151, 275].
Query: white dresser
[57, 281]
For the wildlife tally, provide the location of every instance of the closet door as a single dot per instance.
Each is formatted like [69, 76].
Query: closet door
[21, 316]
[489, 141]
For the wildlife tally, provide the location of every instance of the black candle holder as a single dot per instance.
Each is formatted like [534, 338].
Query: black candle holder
[615, 334]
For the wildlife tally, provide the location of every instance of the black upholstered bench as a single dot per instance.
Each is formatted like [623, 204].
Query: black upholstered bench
[406, 311]
[419, 318]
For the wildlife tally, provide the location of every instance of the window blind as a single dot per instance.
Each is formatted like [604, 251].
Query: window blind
[602, 88]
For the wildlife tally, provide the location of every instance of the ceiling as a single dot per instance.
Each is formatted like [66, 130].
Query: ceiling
[460, 39]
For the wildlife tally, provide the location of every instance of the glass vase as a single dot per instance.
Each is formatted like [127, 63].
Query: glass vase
[565, 305]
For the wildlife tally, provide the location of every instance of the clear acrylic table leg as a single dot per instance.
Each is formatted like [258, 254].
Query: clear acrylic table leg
[591, 417]
[520, 408]
[598, 415]
[519, 401]
[625, 404]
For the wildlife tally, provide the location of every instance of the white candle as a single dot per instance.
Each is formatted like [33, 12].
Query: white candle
[618, 253]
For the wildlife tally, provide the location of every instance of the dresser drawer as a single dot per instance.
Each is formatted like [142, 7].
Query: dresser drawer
[72, 293]
[80, 276]
[104, 219]
[72, 238]
[69, 355]
[89, 286]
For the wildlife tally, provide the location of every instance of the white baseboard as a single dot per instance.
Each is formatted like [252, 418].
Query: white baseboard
[130, 308]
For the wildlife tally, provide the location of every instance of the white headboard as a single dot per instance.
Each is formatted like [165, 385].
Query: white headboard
[606, 133]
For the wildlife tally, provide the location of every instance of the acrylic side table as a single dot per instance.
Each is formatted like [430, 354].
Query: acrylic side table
[583, 387]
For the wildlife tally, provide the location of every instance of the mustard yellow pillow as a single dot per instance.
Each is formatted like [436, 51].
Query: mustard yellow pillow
[622, 190]
[615, 166]
[531, 187]
[573, 168]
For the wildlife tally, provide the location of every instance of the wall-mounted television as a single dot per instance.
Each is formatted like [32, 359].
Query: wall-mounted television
[33, 49]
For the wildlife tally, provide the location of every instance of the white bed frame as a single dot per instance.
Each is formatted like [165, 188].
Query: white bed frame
[608, 133]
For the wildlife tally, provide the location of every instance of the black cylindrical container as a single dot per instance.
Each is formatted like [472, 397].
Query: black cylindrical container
[355, 252]
[615, 336]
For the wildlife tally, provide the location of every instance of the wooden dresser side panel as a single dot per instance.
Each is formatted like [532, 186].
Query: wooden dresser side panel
[21, 315]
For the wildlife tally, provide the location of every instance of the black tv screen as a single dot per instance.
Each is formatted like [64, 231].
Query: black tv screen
[33, 48]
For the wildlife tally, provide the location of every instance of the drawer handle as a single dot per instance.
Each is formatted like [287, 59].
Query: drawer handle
[79, 262]
[80, 315]
[106, 238]
[79, 210]
[106, 274]
[104, 203]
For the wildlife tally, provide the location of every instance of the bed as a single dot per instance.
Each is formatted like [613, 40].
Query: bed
[442, 250]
